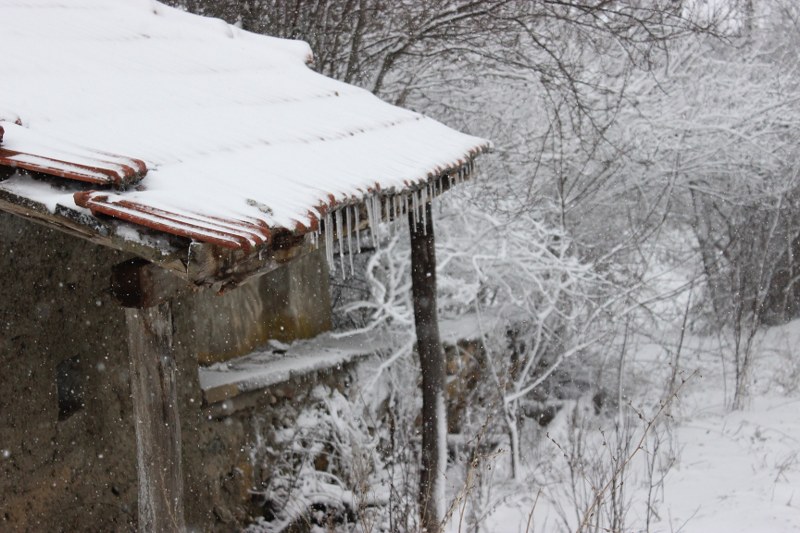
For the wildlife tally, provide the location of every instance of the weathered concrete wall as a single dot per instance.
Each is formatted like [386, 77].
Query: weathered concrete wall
[223, 466]
[290, 303]
[74, 469]
[62, 475]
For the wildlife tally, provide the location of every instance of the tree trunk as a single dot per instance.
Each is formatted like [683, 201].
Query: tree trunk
[432, 365]
[512, 423]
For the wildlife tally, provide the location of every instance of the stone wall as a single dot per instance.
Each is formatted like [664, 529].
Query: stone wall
[67, 441]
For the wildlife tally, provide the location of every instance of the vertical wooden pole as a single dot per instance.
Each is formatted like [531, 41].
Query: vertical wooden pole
[432, 365]
[148, 317]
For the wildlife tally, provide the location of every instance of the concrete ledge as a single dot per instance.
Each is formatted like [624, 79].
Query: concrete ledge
[279, 363]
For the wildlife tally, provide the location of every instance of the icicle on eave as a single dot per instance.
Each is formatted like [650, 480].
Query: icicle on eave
[376, 219]
[373, 208]
[349, 216]
[415, 206]
[338, 216]
[370, 218]
[357, 212]
[328, 221]
[424, 193]
[440, 183]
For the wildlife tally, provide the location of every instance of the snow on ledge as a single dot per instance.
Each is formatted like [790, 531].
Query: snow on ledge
[281, 363]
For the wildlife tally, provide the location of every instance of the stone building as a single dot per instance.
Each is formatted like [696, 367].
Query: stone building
[173, 194]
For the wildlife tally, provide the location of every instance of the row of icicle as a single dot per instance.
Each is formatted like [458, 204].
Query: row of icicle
[344, 222]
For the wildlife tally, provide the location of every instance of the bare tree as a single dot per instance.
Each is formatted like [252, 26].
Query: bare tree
[720, 127]
[609, 116]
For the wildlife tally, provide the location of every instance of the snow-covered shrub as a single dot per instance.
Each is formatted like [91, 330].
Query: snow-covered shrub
[325, 470]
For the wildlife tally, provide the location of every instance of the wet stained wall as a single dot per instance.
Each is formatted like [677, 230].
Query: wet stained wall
[60, 331]
[67, 441]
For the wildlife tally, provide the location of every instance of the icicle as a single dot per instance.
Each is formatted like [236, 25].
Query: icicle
[376, 210]
[370, 219]
[373, 214]
[394, 209]
[405, 204]
[376, 213]
[329, 241]
[415, 202]
[349, 217]
[357, 212]
[414, 207]
[440, 201]
[339, 233]
[391, 207]
[423, 213]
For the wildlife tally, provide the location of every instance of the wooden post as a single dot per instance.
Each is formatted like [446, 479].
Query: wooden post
[144, 289]
[432, 365]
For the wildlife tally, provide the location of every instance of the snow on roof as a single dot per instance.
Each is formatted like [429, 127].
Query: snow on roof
[237, 133]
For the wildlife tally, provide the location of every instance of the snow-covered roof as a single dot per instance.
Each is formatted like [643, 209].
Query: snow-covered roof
[238, 135]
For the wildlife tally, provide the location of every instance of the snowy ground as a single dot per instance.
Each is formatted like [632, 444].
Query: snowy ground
[720, 471]
[740, 471]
